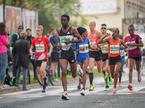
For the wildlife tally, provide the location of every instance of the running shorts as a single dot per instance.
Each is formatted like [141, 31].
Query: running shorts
[82, 58]
[39, 62]
[114, 60]
[136, 58]
[104, 57]
[68, 55]
[54, 57]
[97, 55]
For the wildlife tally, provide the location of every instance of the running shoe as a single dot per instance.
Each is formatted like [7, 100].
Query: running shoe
[65, 96]
[106, 88]
[91, 88]
[120, 84]
[110, 81]
[130, 87]
[44, 85]
[83, 92]
[114, 91]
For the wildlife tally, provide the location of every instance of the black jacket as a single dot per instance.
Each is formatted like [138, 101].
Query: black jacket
[20, 53]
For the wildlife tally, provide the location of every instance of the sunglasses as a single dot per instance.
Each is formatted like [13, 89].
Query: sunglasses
[103, 28]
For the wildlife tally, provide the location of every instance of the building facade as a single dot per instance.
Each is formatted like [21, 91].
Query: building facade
[126, 12]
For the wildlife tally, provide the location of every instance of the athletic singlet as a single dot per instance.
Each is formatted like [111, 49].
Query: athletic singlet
[104, 47]
[114, 47]
[41, 47]
[94, 40]
[66, 37]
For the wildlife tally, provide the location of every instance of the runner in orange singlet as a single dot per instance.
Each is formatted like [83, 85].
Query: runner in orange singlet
[114, 54]
[95, 53]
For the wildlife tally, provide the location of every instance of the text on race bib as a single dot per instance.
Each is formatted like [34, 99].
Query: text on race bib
[104, 49]
[131, 43]
[40, 48]
[114, 49]
[63, 39]
[122, 52]
[83, 48]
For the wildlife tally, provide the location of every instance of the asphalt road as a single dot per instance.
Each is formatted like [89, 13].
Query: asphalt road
[96, 99]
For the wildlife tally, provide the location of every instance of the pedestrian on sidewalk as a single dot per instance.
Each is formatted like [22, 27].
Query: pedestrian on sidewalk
[14, 37]
[20, 54]
[54, 39]
[29, 38]
[3, 54]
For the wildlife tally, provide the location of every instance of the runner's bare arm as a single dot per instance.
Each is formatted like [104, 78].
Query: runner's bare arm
[140, 44]
[30, 50]
[104, 39]
[125, 46]
[50, 49]
[76, 34]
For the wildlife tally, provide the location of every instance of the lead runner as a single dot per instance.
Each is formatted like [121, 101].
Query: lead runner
[66, 35]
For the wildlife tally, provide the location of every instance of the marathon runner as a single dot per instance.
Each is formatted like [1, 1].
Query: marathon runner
[114, 54]
[105, 65]
[43, 48]
[122, 60]
[66, 35]
[83, 55]
[95, 53]
[134, 43]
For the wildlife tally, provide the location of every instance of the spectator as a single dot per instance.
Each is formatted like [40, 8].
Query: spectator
[21, 58]
[14, 38]
[54, 39]
[3, 53]
[29, 38]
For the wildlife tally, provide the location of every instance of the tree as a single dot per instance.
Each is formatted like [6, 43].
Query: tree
[51, 10]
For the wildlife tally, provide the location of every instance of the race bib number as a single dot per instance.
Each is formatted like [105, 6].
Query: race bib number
[40, 48]
[83, 48]
[63, 39]
[93, 44]
[122, 52]
[114, 49]
[104, 49]
[131, 45]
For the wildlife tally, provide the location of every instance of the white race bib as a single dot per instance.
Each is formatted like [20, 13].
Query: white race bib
[114, 49]
[131, 47]
[63, 44]
[40, 48]
[104, 49]
[83, 48]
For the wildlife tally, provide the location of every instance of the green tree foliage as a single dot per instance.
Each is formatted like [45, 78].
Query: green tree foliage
[51, 10]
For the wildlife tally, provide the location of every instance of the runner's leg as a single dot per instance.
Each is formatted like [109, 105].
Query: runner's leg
[64, 64]
[138, 68]
[91, 74]
[130, 66]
